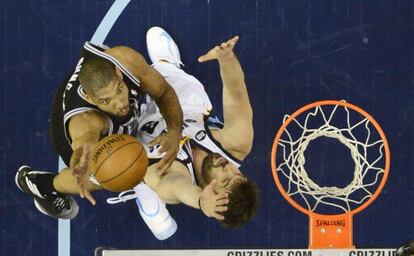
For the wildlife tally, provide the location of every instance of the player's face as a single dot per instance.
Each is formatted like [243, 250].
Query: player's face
[223, 171]
[113, 98]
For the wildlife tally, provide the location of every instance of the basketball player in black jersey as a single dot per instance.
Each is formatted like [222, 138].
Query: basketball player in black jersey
[106, 94]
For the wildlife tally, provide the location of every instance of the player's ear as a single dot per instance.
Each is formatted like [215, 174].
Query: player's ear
[118, 73]
[89, 99]
[219, 161]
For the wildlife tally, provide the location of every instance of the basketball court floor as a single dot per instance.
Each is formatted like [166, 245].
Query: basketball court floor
[358, 53]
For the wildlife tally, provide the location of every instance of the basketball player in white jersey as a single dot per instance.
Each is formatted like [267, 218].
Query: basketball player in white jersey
[205, 174]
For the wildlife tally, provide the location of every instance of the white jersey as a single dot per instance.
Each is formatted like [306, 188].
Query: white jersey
[196, 107]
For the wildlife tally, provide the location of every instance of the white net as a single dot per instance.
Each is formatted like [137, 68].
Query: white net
[351, 129]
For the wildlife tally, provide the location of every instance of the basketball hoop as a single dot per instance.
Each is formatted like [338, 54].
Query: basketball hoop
[362, 135]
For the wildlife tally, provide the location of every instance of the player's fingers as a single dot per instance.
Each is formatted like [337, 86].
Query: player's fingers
[218, 216]
[90, 198]
[170, 155]
[155, 141]
[170, 152]
[80, 189]
[234, 40]
[222, 195]
[161, 167]
[221, 208]
[228, 45]
[222, 201]
[222, 198]
[204, 58]
[169, 162]
[162, 171]
[166, 164]
[212, 185]
[162, 163]
[164, 147]
[212, 54]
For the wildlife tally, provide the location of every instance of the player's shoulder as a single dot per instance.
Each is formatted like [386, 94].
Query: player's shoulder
[239, 148]
[125, 54]
[130, 58]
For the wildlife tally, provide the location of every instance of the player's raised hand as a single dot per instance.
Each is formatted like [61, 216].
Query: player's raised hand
[220, 52]
[80, 172]
[169, 144]
[212, 204]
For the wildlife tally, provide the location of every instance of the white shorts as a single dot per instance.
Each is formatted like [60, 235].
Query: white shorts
[190, 91]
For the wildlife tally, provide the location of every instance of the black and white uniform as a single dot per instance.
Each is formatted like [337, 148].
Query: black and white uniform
[69, 101]
[198, 123]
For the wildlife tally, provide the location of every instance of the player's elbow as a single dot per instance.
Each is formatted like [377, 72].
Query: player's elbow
[249, 132]
[247, 142]
[241, 145]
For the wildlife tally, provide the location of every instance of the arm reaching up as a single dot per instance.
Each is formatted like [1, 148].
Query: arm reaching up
[163, 94]
[238, 114]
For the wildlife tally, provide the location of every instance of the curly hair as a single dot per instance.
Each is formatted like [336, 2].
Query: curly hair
[244, 200]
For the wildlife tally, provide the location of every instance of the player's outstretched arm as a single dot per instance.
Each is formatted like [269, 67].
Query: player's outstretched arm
[85, 130]
[164, 95]
[238, 114]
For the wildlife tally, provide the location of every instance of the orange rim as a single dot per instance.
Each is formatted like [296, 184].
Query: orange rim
[324, 103]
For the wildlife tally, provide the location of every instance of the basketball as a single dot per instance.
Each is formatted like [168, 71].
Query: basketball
[118, 162]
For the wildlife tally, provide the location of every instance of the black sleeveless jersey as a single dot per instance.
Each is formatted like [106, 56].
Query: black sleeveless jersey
[69, 101]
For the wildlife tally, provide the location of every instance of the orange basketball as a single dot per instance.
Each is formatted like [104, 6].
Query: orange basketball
[119, 162]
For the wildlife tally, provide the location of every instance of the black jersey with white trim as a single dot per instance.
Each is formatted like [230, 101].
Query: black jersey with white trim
[70, 101]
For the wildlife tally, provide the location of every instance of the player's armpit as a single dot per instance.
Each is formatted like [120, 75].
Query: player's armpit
[236, 138]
